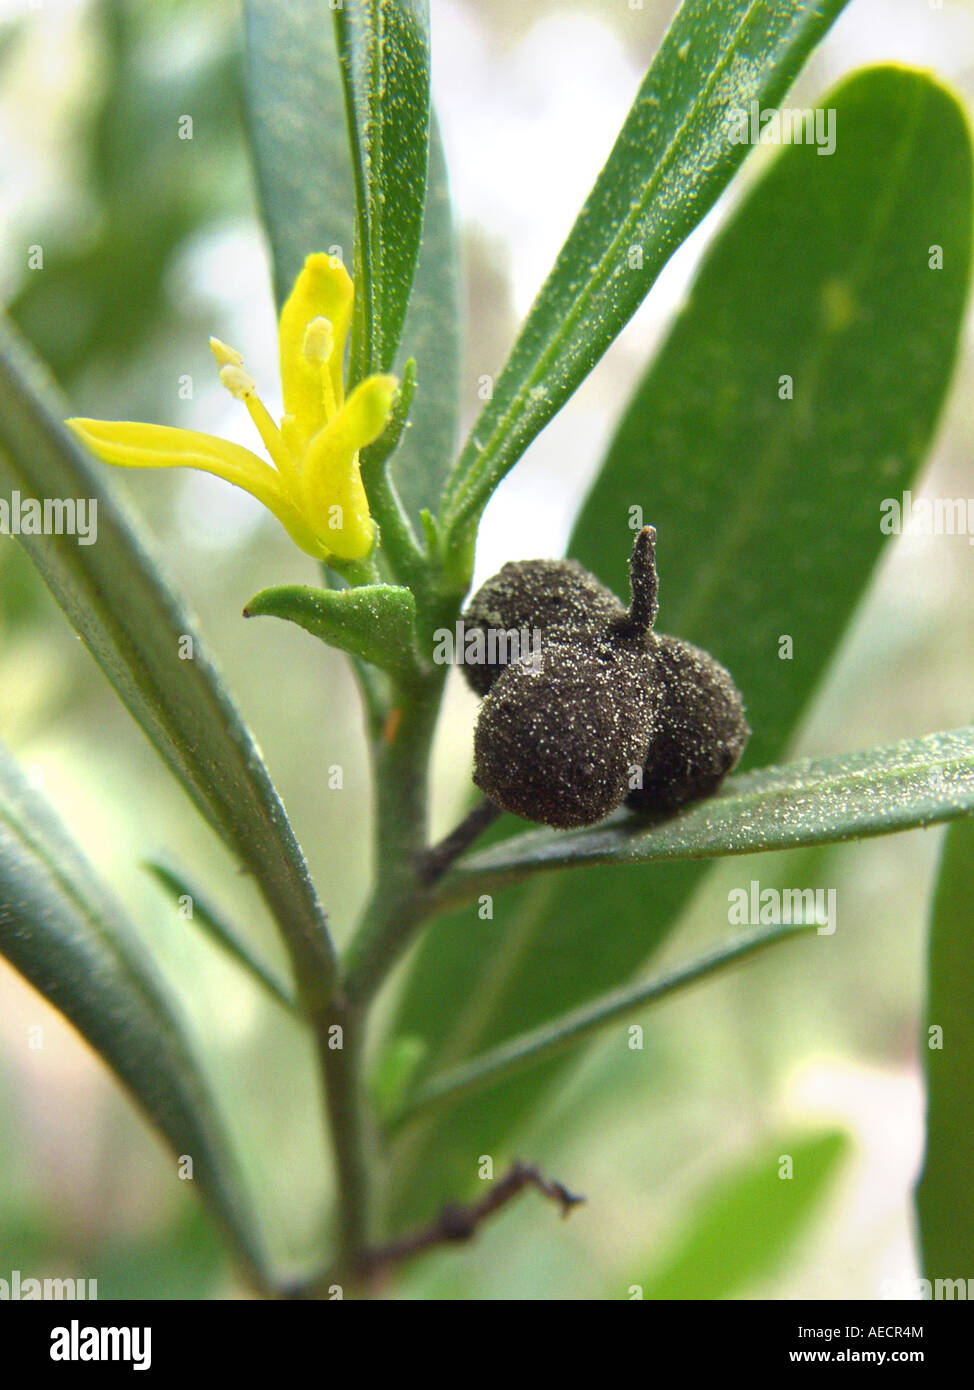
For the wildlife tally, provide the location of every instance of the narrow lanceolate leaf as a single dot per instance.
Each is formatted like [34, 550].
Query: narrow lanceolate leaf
[785, 494]
[817, 801]
[296, 109]
[64, 933]
[943, 1196]
[383, 47]
[114, 597]
[743, 1228]
[797, 391]
[674, 155]
[296, 114]
[375, 622]
[529, 1049]
[432, 336]
[206, 918]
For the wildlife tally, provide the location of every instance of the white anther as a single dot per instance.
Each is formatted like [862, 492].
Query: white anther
[319, 340]
[238, 382]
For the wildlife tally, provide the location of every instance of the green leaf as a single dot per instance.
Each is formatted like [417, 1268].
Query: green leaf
[768, 511]
[792, 512]
[528, 1049]
[296, 112]
[432, 335]
[114, 597]
[383, 48]
[900, 786]
[375, 621]
[745, 1225]
[943, 1195]
[63, 932]
[671, 160]
[210, 921]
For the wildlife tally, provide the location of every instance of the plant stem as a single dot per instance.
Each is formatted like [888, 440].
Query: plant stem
[400, 728]
[398, 541]
[340, 1055]
[399, 901]
[407, 561]
[436, 860]
[400, 757]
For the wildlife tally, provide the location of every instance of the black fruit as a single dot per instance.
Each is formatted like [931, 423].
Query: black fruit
[700, 730]
[560, 738]
[558, 598]
[607, 711]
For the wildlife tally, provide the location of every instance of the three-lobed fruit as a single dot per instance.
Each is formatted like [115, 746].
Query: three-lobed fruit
[609, 711]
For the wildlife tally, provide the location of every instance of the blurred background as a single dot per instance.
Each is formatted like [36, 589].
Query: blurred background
[150, 244]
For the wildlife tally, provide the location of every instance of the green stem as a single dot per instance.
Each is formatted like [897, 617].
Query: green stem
[539, 1044]
[399, 545]
[407, 562]
[399, 902]
[400, 756]
[401, 719]
[339, 1035]
[356, 572]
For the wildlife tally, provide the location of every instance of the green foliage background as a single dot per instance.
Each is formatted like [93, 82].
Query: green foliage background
[135, 229]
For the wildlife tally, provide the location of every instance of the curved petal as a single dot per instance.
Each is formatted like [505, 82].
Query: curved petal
[129, 445]
[331, 469]
[323, 288]
[346, 527]
[360, 421]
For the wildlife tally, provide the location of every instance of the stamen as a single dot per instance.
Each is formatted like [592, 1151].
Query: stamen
[319, 340]
[225, 355]
[318, 346]
[243, 388]
[237, 381]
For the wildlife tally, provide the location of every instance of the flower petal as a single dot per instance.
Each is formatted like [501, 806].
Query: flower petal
[360, 421]
[331, 469]
[130, 445]
[323, 289]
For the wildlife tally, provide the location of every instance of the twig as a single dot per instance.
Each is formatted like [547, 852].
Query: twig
[457, 1222]
[433, 863]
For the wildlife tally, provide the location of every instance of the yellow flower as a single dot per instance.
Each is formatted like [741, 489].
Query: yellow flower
[315, 487]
